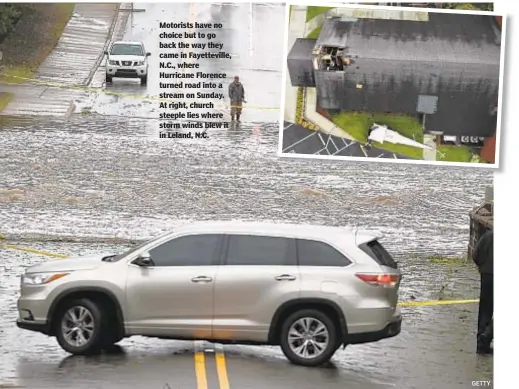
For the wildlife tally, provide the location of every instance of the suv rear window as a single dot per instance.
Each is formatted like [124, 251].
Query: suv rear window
[313, 253]
[376, 251]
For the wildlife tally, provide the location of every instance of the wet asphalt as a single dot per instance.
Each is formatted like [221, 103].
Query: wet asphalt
[103, 172]
[250, 34]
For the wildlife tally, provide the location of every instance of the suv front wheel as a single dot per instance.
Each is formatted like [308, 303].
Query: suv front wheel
[308, 338]
[78, 327]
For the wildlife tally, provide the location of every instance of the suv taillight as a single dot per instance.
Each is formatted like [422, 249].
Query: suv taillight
[379, 279]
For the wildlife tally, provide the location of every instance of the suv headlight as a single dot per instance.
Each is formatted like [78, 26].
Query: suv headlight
[112, 62]
[140, 63]
[41, 278]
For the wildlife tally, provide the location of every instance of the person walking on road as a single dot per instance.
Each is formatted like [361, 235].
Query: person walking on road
[237, 97]
[484, 259]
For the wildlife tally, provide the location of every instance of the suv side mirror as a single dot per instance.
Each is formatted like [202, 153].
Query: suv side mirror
[144, 260]
[148, 54]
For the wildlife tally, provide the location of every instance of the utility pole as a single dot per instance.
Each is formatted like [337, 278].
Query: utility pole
[131, 21]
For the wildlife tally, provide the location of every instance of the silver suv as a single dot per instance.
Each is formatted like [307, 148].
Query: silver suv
[309, 289]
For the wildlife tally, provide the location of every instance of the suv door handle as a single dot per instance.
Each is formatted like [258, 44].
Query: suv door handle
[285, 277]
[201, 279]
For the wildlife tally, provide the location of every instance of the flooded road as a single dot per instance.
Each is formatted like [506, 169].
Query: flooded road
[101, 176]
[250, 34]
[103, 172]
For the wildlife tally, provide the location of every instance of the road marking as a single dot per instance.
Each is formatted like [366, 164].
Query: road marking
[201, 347]
[219, 347]
[319, 152]
[347, 144]
[32, 251]
[330, 139]
[129, 95]
[363, 150]
[221, 367]
[200, 370]
[435, 303]
[299, 141]
[320, 136]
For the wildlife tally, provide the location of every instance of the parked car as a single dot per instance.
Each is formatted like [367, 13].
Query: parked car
[310, 289]
[127, 60]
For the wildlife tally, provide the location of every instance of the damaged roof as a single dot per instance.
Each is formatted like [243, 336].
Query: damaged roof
[461, 38]
[455, 57]
[334, 33]
[300, 63]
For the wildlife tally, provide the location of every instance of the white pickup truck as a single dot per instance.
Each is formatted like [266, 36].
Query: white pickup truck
[127, 60]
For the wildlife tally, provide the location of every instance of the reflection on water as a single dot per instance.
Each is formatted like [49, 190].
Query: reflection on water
[104, 176]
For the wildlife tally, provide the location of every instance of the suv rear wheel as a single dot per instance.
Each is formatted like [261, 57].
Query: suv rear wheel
[79, 327]
[308, 338]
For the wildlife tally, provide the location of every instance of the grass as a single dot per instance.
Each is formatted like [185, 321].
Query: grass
[299, 104]
[466, 7]
[33, 39]
[450, 153]
[5, 98]
[357, 125]
[314, 34]
[410, 151]
[312, 12]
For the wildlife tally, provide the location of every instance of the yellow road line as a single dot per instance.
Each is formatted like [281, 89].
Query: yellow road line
[221, 367]
[200, 371]
[107, 92]
[435, 302]
[32, 251]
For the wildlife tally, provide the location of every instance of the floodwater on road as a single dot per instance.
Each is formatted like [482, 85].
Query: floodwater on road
[105, 173]
[100, 176]
[250, 34]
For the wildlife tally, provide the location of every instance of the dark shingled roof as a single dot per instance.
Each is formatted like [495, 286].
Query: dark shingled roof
[444, 37]
[452, 56]
[334, 33]
[300, 65]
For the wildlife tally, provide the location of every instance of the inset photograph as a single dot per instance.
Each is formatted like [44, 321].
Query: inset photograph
[401, 84]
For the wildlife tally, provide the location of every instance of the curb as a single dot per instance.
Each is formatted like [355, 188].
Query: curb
[108, 40]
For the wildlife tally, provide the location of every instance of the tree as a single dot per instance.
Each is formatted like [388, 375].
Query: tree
[10, 13]
[469, 6]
